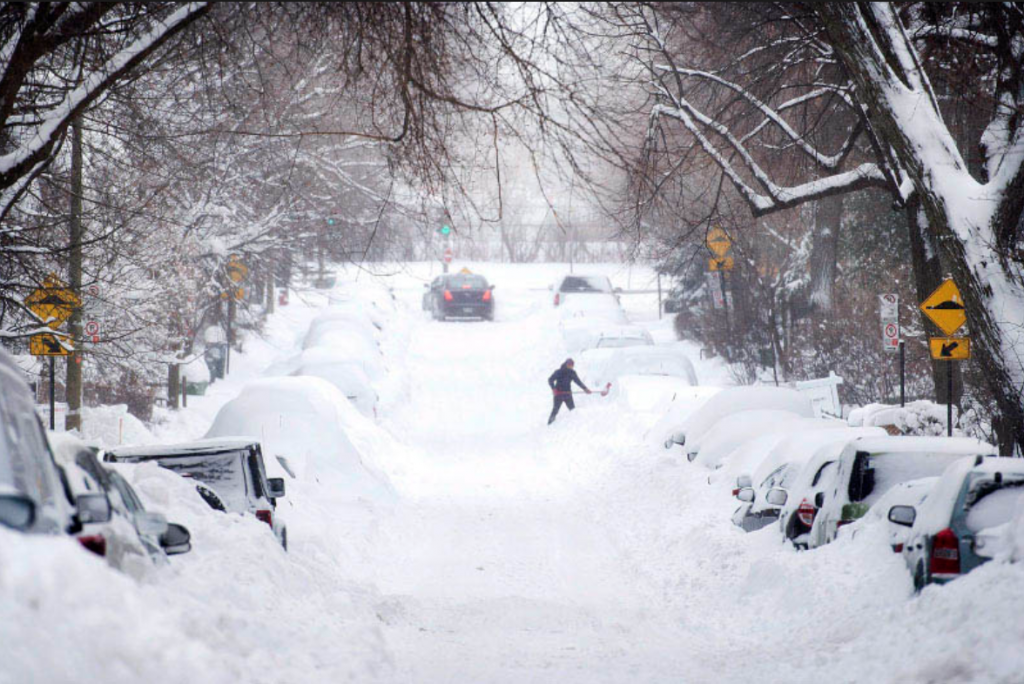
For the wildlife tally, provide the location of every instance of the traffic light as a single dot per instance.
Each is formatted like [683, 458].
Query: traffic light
[444, 230]
[330, 221]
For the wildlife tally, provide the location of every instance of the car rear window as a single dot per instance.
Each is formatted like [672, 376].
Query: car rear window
[223, 472]
[585, 284]
[467, 282]
[884, 471]
[994, 506]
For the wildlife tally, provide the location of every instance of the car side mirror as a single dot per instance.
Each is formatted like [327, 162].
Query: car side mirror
[150, 524]
[903, 515]
[176, 539]
[17, 512]
[276, 486]
[93, 508]
[777, 497]
[743, 481]
[819, 499]
[746, 495]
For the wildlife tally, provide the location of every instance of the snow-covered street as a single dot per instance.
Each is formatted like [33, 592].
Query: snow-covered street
[505, 550]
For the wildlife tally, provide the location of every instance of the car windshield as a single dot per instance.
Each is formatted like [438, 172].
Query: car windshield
[223, 472]
[585, 284]
[22, 450]
[467, 282]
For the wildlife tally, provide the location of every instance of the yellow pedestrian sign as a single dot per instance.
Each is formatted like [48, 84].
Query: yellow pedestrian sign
[718, 242]
[950, 348]
[53, 302]
[237, 271]
[49, 344]
[720, 264]
[945, 307]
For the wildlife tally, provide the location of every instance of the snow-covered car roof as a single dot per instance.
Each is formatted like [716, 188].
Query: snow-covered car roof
[918, 444]
[732, 431]
[934, 514]
[580, 283]
[215, 445]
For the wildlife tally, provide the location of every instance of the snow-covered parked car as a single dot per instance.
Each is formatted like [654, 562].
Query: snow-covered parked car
[912, 493]
[728, 401]
[33, 497]
[127, 536]
[602, 366]
[309, 430]
[780, 468]
[336, 367]
[965, 521]
[729, 434]
[234, 468]
[588, 296]
[623, 336]
[866, 469]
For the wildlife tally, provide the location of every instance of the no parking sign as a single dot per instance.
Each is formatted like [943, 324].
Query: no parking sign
[889, 307]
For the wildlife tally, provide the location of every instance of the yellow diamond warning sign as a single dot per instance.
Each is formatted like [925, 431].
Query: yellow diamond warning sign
[950, 348]
[945, 307]
[53, 302]
[237, 271]
[718, 242]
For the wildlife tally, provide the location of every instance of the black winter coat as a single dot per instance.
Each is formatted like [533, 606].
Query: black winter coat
[561, 380]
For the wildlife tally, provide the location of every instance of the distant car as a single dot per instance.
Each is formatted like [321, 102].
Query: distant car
[460, 295]
[588, 296]
[34, 497]
[232, 467]
[963, 522]
[867, 468]
[641, 360]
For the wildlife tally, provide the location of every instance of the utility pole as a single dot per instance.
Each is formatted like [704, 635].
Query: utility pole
[73, 378]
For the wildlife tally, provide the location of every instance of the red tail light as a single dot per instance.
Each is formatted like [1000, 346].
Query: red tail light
[735, 492]
[487, 295]
[96, 543]
[558, 296]
[945, 560]
[806, 512]
[266, 516]
[447, 296]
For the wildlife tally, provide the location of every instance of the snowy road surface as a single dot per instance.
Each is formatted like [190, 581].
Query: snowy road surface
[511, 552]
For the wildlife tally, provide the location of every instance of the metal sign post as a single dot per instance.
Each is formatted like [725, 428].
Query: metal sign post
[945, 308]
[53, 402]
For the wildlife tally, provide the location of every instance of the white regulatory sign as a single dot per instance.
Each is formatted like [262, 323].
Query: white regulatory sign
[889, 308]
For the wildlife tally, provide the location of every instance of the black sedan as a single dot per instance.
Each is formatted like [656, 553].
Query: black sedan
[460, 295]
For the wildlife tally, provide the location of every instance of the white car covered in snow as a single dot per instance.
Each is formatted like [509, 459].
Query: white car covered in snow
[728, 437]
[623, 336]
[336, 367]
[588, 296]
[730, 400]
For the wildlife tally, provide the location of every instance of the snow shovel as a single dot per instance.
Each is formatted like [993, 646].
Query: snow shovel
[603, 393]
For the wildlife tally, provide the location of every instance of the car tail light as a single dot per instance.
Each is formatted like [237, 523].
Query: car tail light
[945, 560]
[558, 296]
[806, 512]
[487, 295]
[447, 296]
[96, 543]
[735, 491]
[266, 516]
[897, 548]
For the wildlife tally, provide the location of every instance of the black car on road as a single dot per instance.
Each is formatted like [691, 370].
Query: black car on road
[460, 295]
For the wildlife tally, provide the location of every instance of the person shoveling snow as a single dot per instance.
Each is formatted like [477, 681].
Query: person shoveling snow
[560, 383]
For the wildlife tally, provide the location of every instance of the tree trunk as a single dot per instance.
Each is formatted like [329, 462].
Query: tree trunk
[966, 225]
[824, 252]
[271, 294]
[928, 275]
[173, 385]
[73, 378]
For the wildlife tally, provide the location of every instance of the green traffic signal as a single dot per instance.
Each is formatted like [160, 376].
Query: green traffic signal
[445, 229]
[330, 222]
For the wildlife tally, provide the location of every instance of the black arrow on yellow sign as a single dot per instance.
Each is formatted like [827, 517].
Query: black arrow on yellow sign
[947, 349]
